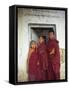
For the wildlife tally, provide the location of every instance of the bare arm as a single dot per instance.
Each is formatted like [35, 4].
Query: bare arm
[53, 51]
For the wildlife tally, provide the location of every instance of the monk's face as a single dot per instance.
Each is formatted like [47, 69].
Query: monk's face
[33, 45]
[51, 35]
[41, 40]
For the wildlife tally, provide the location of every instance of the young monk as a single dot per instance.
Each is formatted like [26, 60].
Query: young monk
[53, 57]
[42, 49]
[33, 63]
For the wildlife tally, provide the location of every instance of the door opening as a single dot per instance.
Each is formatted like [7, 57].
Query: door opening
[36, 30]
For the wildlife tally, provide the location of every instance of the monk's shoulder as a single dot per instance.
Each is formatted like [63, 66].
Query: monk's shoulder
[52, 42]
[56, 43]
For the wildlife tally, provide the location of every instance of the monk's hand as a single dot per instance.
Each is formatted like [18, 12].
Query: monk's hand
[38, 63]
[53, 51]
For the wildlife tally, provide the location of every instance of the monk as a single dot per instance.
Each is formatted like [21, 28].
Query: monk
[53, 57]
[33, 63]
[42, 49]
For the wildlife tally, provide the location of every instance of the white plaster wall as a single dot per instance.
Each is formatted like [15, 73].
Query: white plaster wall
[26, 16]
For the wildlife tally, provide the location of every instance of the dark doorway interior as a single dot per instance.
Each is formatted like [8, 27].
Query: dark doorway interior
[36, 32]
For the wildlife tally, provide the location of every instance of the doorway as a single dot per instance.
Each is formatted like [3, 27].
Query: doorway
[36, 30]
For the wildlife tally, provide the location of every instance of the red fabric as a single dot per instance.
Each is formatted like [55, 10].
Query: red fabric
[34, 67]
[42, 49]
[53, 60]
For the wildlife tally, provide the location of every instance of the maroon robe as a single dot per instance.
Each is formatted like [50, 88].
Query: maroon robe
[34, 67]
[42, 49]
[53, 60]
